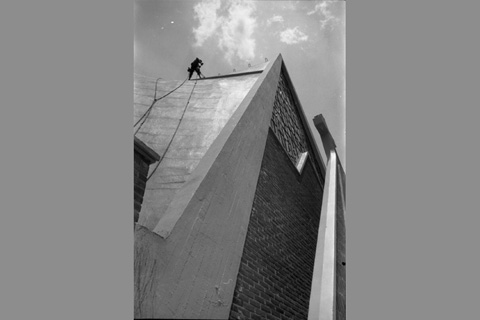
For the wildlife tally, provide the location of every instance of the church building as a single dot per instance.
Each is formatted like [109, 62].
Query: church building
[236, 216]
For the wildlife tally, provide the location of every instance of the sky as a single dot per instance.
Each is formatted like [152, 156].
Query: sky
[230, 34]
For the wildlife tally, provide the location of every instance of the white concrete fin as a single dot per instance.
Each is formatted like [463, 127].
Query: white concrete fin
[302, 159]
[322, 296]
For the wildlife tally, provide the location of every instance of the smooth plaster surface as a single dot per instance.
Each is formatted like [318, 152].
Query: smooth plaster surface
[211, 103]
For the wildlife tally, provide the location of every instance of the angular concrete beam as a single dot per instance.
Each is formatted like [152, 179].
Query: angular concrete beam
[323, 299]
[327, 139]
[301, 161]
[145, 151]
[323, 294]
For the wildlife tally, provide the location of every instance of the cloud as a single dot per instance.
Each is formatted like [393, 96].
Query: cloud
[233, 31]
[321, 6]
[287, 5]
[206, 13]
[326, 16]
[274, 19]
[237, 31]
[292, 36]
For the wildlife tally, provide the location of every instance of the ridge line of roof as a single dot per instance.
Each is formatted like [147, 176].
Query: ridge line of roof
[304, 120]
[230, 75]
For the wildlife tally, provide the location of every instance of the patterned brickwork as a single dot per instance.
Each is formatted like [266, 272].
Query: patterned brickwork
[286, 124]
[276, 269]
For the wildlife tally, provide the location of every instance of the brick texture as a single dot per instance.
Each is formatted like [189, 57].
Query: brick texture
[275, 274]
[287, 126]
[340, 253]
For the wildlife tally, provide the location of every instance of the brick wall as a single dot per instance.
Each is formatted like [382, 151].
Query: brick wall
[287, 125]
[340, 252]
[274, 278]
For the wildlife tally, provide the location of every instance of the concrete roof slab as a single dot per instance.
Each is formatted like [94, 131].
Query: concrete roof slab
[186, 121]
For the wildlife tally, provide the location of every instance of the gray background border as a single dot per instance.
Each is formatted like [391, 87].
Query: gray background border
[412, 150]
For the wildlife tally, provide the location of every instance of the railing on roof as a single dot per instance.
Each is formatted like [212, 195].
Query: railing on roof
[251, 69]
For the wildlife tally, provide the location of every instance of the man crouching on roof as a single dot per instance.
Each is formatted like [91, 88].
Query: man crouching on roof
[195, 66]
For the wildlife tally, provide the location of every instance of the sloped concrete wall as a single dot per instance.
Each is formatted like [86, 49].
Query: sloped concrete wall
[191, 274]
[187, 121]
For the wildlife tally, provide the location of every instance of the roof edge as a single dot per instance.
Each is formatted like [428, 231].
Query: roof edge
[145, 151]
[230, 75]
[303, 118]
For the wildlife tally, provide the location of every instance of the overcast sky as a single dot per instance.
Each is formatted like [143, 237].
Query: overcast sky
[230, 34]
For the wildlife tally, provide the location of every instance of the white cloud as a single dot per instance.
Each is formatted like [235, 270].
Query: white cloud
[237, 31]
[292, 36]
[206, 13]
[274, 19]
[287, 5]
[233, 30]
[326, 16]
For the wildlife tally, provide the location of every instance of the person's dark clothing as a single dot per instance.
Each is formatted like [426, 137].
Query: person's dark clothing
[195, 66]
